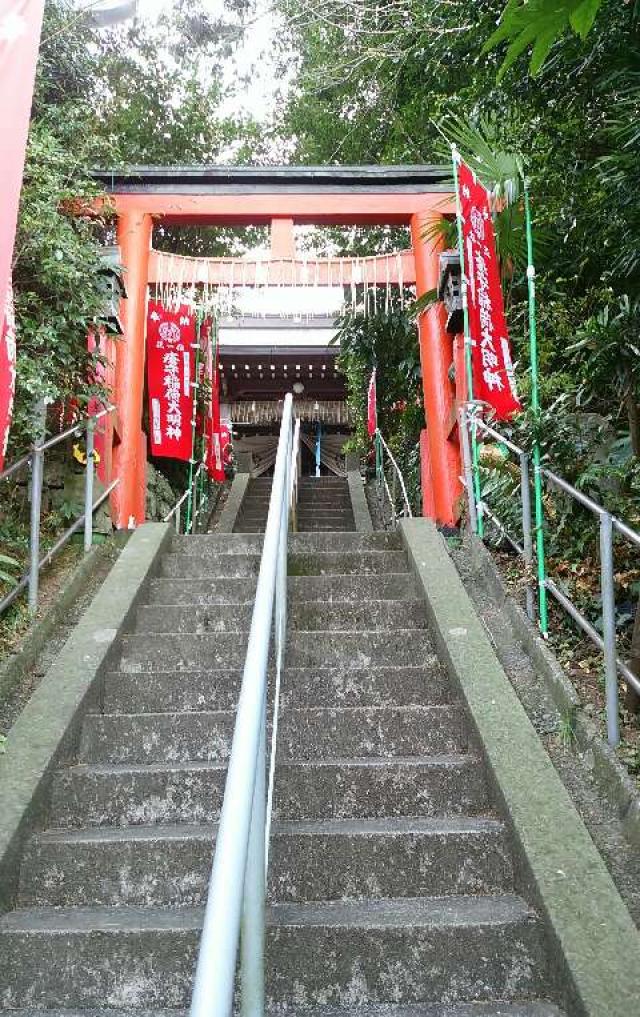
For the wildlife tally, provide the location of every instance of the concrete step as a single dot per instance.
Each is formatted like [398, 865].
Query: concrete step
[308, 733]
[309, 861]
[184, 566]
[184, 652]
[253, 514]
[203, 591]
[364, 648]
[394, 586]
[458, 948]
[497, 1009]
[347, 563]
[330, 501]
[219, 566]
[329, 511]
[130, 794]
[173, 690]
[308, 616]
[238, 543]
[335, 526]
[328, 687]
[323, 484]
[323, 496]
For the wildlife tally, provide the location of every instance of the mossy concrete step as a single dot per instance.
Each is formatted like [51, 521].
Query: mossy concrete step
[238, 543]
[309, 861]
[172, 690]
[335, 526]
[184, 652]
[131, 794]
[394, 586]
[456, 948]
[525, 1009]
[202, 591]
[313, 732]
[307, 616]
[328, 687]
[186, 566]
[347, 563]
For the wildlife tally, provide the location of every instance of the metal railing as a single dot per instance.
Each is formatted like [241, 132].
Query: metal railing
[609, 525]
[397, 481]
[196, 499]
[35, 462]
[235, 909]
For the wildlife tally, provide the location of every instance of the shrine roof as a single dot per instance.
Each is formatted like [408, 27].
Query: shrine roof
[267, 179]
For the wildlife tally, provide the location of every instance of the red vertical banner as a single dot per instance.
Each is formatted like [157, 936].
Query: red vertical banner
[493, 375]
[215, 460]
[101, 344]
[20, 25]
[171, 337]
[7, 372]
[372, 406]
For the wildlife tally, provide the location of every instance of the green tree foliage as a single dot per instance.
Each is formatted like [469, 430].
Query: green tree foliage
[402, 81]
[146, 92]
[537, 25]
[386, 340]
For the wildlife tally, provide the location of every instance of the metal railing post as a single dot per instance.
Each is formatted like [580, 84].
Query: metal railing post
[394, 484]
[527, 528]
[88, 487]
[37, 477]
[177, 518]
[609, 627]
[465, 445]
[253, 907]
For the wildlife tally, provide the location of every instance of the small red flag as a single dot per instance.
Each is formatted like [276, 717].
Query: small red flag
[372, 406]
[493, 376]
[214, 451]
[171, 336]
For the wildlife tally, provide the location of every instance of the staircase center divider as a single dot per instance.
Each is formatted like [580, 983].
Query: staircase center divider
[235, 910]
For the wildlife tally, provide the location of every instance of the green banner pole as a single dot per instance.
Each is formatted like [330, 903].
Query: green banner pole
[535, 407]
[194, 414]
[475, 454]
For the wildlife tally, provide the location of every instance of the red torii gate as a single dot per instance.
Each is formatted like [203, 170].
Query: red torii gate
[281, 197]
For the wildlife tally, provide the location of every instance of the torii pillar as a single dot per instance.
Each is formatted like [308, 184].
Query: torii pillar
[130, 454]
[440, 453]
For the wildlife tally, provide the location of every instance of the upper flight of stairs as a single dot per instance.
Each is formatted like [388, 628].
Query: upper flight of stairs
[324, 504]
[391, 878]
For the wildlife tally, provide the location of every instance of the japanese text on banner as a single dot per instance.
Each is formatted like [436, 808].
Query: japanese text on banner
[493, 375]
[372, 407]
[170, 375]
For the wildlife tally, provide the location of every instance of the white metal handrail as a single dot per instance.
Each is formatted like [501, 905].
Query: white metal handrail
[34, 461]
[234, 912]
[396, 477]
[608, 523]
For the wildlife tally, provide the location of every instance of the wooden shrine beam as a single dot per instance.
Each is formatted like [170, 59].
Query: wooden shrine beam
[176, 269]
[330, 209]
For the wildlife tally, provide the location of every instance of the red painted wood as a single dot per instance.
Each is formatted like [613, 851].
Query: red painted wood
[377, 209]
[436, 353]
[130, 455]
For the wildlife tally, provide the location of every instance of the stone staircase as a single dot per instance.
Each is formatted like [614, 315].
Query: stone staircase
[324, 505]
[391, 883]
